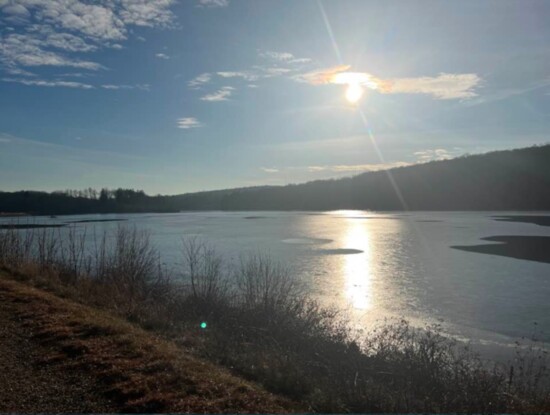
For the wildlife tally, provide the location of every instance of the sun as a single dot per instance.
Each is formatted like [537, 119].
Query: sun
[354, 92]
[356, 83]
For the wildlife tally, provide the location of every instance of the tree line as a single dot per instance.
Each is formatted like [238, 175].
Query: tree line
[120, 195]
[501, 180]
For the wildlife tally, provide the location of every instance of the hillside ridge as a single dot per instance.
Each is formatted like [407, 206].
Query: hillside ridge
[501, 180]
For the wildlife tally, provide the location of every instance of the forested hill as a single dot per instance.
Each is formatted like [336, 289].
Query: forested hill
[514, 179]
[500, 180]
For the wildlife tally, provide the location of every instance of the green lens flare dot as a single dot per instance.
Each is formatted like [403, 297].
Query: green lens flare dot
[203, 325]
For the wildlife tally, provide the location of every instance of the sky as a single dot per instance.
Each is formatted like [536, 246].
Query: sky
[178, 96]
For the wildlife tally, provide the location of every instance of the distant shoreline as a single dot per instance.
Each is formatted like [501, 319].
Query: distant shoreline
[511, 180]
[496, 212]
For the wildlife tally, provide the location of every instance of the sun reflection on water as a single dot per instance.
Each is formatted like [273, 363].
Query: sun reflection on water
[357, 267]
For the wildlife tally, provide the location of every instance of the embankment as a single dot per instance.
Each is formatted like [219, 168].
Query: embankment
[60, 356]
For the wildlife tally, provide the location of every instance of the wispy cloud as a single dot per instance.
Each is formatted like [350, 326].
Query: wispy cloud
[67, 42]
[162, 56]
[321, 76]
[443, 86]
[146, 12]
[28, 50]
[189, 122]
[279, 56]
[73, 75]
[246, 75]
[213, 3]
[15, 13]
[275, 71]
[40, 82]
[143, 87]
[269, 170]
[285, 57]
[222, 94]
[313, 172]
[105, 21]
[278, 64]
[358, 168]
[11, 70]
[435, 154]
[200, 80]
[72, 84]
[50, 32]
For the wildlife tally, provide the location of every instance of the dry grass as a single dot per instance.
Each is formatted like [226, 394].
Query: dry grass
[139, 372]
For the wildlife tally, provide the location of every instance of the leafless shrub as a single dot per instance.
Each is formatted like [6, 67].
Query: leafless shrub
[529, 371]
[15, 246]
[202, 267]
[125, 261]
[263, 283]
[131, 267]
[75, 252]
[99, 256]
[47, 247]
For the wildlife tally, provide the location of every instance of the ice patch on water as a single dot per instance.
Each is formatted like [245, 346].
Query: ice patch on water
[307, 241]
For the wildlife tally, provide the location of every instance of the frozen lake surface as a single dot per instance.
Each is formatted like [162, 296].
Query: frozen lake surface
[380, 265]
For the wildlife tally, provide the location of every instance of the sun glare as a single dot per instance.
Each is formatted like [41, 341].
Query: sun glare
[357, 267]
[354, 93]
[356, 82]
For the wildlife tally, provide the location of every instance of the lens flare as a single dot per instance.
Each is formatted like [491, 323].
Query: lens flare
[354, 92]
[359, 78]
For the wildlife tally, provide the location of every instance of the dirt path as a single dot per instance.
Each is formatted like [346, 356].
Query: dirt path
[29, 384]
[60, 356]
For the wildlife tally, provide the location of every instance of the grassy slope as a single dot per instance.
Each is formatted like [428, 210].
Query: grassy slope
[134, 369]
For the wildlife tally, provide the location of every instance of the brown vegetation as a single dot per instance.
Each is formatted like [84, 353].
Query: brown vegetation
[130, 369]
[264, 328]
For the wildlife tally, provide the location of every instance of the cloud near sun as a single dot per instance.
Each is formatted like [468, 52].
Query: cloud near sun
[443, 86]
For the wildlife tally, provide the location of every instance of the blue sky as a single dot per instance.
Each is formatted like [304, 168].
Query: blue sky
[177, 96]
